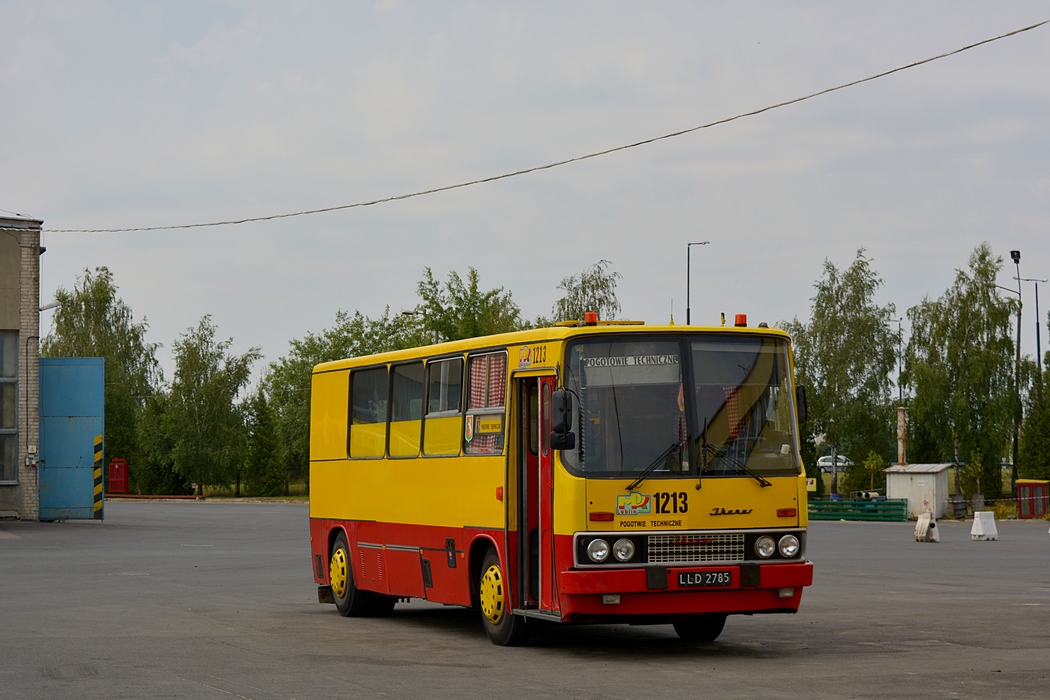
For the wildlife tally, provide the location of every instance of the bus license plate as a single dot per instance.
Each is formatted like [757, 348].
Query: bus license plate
[699, 579]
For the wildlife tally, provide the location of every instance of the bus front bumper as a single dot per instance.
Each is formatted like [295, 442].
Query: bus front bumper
[668, 592]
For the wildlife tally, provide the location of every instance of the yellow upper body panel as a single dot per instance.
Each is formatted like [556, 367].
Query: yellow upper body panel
[720, 503]
[328, 415]
[439, 491]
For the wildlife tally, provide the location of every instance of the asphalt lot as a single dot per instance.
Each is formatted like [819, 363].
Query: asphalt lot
[215, 600]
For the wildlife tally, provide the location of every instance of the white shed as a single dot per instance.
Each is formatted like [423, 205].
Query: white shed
[924, 485]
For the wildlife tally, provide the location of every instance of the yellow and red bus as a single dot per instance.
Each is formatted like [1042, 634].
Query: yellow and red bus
[587, 472]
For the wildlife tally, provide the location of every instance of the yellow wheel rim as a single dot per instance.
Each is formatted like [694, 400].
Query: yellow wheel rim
[337, 570]
[492, 594]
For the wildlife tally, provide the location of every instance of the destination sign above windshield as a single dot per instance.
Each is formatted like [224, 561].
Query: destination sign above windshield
[630, 361]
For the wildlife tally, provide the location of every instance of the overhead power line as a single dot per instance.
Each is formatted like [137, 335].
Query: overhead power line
[559, 163]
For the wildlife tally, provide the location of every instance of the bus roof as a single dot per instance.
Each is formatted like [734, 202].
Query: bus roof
[535, 335]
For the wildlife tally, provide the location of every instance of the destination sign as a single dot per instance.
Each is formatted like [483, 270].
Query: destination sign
[655, 368]
[630, 361]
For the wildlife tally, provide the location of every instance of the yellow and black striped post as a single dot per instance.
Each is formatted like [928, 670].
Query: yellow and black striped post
[99, 481]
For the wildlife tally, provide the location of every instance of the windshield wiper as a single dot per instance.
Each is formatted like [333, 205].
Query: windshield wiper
[701, 459]
[675, 448]
[737, 463]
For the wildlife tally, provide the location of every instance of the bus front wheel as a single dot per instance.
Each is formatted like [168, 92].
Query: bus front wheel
[349, 600]
[503, 627]
[703, 628]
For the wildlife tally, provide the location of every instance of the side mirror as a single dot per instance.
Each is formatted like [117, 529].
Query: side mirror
[561, 412]
[563, 441]
[803, 406]
[562, 437]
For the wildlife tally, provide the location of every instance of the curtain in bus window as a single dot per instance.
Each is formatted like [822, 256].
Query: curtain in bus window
[444, 419]
[368, 399]
[483, 429]
[406, 410]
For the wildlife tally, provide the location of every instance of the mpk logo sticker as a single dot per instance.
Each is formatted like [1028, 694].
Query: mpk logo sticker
[634, 504]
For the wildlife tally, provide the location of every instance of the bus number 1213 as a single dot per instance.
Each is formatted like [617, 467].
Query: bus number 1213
[671, 502]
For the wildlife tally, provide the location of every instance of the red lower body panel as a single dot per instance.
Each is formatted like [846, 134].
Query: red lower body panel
[584, 593]
[411, 561]
[434, 563]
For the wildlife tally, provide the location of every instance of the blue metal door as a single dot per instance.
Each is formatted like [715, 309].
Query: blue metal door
[72, 407]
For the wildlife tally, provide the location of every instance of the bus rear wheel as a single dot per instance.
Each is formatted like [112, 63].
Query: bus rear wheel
[350, 601]
[702, 628]
[503, 627]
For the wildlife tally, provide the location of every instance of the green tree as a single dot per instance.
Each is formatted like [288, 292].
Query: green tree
[845, 355]
[594, 289]
[203, 418]
[263, 469]
[459, 308]
[959, 363]
[155, 471]
[92, 321]
[1033, 454]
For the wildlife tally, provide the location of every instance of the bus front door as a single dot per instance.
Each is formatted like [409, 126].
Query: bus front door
[536, 570]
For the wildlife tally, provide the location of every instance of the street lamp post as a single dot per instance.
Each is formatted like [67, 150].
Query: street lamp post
[688, 272]
[900, 355]
[1015, 255]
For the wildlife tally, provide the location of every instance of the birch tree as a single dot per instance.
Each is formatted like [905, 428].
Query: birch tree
[846, 353]
[594, 289]
[959, 364]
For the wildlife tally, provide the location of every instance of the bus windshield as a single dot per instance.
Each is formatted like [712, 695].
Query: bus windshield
[726, 409]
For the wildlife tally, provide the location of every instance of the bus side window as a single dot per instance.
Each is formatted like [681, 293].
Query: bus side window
[444, 418]
[368, 399]
[406, 409]
[483, 427]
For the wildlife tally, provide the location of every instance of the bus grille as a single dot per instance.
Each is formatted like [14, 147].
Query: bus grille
[696, 547]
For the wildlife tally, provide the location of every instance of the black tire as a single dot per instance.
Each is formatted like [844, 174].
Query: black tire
[380, 605]
[349, 601]
[702, 628]
[504, 628]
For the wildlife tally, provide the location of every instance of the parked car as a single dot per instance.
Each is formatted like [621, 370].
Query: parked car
[824, 464]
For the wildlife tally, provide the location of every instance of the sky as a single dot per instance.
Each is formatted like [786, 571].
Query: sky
[123, 114]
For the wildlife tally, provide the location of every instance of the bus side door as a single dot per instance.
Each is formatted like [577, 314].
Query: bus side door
[548, 567]
[534, 539]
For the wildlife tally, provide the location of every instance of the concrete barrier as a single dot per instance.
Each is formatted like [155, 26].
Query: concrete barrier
[926, 529]
[984, 526]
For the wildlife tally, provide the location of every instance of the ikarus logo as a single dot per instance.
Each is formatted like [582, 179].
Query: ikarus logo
[634, 504]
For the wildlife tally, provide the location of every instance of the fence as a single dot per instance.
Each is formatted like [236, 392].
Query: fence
[885, 510]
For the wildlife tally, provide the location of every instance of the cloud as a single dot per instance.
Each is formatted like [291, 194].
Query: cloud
[158, 114]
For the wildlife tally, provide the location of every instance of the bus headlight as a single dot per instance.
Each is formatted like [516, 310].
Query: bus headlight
[623, 550]
[598, 550]
[789, 546]
[765, 546]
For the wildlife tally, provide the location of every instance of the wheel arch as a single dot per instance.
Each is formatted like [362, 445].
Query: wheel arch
[333, 532]
[478, 548]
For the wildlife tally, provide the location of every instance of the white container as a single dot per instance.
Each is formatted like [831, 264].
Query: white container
[925, 486]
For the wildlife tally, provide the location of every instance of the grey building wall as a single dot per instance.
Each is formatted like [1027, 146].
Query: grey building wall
[20, 311]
